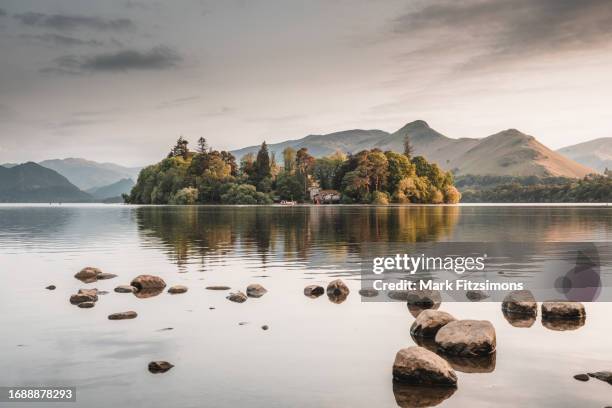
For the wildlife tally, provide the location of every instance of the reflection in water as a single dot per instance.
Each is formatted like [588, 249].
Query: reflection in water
[482, 364]
[519, 319]
[563, 324]
[420, 396]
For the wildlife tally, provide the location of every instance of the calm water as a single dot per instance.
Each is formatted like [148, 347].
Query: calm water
[315, 354]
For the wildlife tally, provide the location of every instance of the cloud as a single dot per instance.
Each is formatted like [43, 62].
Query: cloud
[70, 22]
[61, 40]
[510, 29]
[156, 58]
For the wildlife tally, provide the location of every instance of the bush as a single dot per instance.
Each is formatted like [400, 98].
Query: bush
[451, 195]
[185, 196]
[380, 198]
[244, 194]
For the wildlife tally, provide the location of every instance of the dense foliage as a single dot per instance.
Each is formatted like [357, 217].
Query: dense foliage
[370, 176]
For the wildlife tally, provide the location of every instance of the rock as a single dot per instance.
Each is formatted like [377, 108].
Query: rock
[520, 302]
[581, 377]
[84, 295]
[89, 292]
[237, 297]
[125, 289]
[176, 289]
[399, 295]
[337, 291]
[467, 338]
[255, 290]
[103, 276]
[603, 376]
[265, 327]
[426, 299]
[166, 329]
[157, 367]
[313, 291]
[145, 282]
[369, 292]
[148, 293]
[563, 310]
[218, 288]
[563, 324]
[123, 315]
[417, 365]
[429, 321]
[88, 274]
[242, 323]
[417, 396]
[476, 295]
[86, 305]
[519, 320]
[50, 287]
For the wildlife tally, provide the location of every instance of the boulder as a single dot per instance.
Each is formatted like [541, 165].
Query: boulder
[603, 376]
[520, 302]
[237, 297]
[218, 288]
[429, 321]
[467, 338]
[176, 289]
[562, 310]
[255, 290]
[417, 365]
[88, 274]
[313, 291]
[337, 291]
[157, 367]
[86, 305]
[145, 282]
[125, 289]
[103, 276]
[123, 315]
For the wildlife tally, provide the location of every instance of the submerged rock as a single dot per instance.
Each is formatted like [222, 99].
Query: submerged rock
[218, 288]
[157, 367]
[337, 291]
[88, 274]
[467, 338]
[603, 376]
[237, 297]
[313, 291]
[176, 289]
[50, 287]
[148, 293]
[123, 315]
[255, 290]
[520, 302]
[563, 310]
[426, 299]
[417, 365]
[581, 377]
[368, 292]
[144, 282]
[429, 321]
[125, 289]
[86, 305]
[476, 295]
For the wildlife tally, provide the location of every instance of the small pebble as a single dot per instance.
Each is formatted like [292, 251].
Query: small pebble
[581, 377]
[265, 327]
[50, 287]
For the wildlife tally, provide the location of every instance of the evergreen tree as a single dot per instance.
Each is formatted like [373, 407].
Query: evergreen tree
[262, 163]
[408, 148]
[202, 145]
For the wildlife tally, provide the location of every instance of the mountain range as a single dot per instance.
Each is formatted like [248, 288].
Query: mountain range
[509, 152]
[87, 174]
[595, 153]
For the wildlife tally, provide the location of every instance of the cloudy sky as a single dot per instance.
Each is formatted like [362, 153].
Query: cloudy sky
[121, 80]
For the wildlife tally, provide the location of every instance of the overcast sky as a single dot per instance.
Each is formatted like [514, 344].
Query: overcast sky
[121, 80]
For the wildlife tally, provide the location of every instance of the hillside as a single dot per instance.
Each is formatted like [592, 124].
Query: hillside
[87, 174]
[113, 190]
[30, 182]
[595, 153]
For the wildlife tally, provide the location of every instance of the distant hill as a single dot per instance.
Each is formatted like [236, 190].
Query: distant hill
[112, 190]
[595, 153]
[508, 153]
[87, 174]
[30, 182]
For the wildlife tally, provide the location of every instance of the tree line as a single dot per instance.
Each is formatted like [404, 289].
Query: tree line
[371, 176]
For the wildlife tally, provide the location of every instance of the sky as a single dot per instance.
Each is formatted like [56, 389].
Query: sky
[120, 81]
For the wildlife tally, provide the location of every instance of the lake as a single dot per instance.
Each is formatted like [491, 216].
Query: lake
[316, 353]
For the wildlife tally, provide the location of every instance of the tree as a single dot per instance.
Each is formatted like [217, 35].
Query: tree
[304, 165]
[262, 163]
[202, 145]
[408, 148]
[180, 148]
[289, 160]
[247, 166]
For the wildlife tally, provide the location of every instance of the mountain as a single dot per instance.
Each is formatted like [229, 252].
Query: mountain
[31, 182]
[112, 190]
[87, 174]
[510, 152]
[9, 165]
[595, 153]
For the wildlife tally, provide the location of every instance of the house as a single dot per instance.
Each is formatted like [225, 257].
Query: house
[319, 196]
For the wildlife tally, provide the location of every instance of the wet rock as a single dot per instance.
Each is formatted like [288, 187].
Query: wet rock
[123, 315]
[425, 299]
[145, 282]
[603, 376]
[237, 297]
[337, 291]
[265, 327]
[125, 289]
[581, 377]
[415, 311]
[88, 274]
[369, 292]
[313, 291]
[86, 305]
[415, 396]
[50, 287]
[520, 302]
[255, 290]
[519, 320]
[563, 324]
[104, 276]
[157, 367]
[476, 295]
[429, 321]
[84, 295]
[417, 365]
[563, 310]
[218, 288]
[176, 289]
[467, 338]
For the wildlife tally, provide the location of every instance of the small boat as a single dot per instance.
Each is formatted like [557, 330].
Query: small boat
[288, 202]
